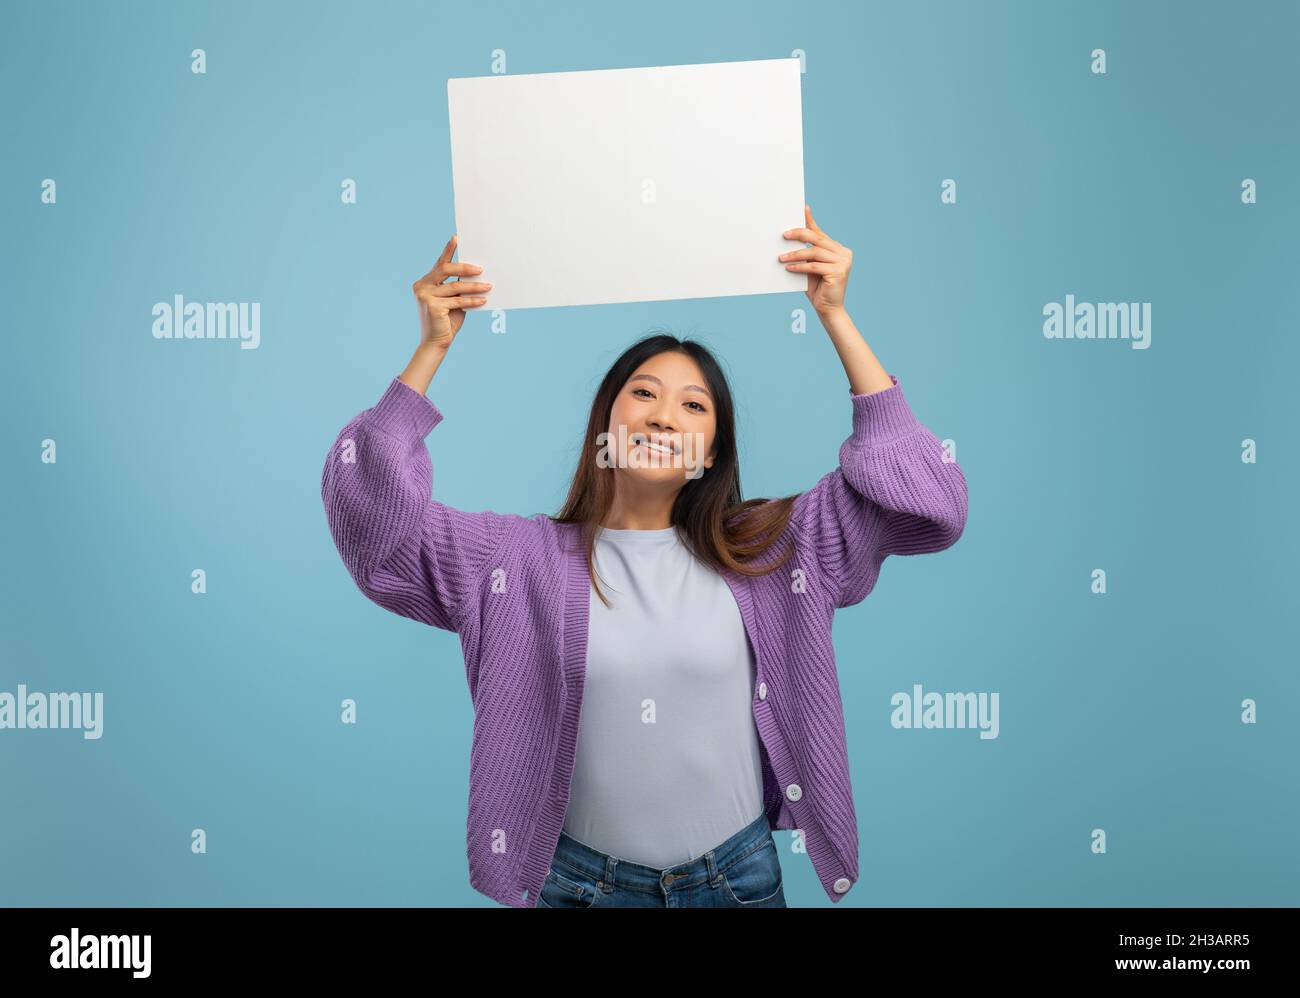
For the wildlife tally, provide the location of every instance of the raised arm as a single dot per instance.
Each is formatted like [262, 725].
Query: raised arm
[895, 491]
[405, 550]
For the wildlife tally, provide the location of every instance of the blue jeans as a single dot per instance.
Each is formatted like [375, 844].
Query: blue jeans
[742, 872]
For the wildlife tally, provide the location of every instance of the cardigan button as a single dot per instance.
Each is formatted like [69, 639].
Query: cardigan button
[762, 691]
[794, 791]
[841, 885]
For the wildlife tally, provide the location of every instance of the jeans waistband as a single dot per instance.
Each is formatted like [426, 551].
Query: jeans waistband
[611, 871]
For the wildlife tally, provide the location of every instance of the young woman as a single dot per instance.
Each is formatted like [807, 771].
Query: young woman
[651, 669]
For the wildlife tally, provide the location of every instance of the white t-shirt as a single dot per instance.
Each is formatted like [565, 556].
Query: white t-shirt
[668, 761]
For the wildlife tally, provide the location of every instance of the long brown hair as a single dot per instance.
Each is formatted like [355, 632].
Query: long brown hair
[716, 524]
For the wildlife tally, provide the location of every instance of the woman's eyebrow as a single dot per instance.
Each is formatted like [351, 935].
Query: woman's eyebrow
[688, 388]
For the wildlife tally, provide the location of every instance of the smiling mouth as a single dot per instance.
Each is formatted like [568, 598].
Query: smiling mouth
[655, 448]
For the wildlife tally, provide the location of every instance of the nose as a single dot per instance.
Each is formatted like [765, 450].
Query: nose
[659, 420]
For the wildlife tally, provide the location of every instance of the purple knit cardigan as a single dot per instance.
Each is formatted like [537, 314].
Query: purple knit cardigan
[516, 591]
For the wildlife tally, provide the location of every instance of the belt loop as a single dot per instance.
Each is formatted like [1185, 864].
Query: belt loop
[713, 867]
[610, 864]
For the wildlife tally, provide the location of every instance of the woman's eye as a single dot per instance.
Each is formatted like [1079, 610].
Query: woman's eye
[650, 394]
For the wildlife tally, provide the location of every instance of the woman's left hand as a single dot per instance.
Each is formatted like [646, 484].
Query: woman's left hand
[826, 263]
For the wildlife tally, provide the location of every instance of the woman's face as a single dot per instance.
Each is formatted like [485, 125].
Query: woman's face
[662, 425]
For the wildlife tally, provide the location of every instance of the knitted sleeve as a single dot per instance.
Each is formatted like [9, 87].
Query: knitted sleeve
[406, 551]
[894, 492]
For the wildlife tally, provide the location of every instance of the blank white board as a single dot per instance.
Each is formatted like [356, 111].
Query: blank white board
[624, 185]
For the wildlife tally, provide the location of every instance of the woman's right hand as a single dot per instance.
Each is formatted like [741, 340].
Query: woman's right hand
[442, 306]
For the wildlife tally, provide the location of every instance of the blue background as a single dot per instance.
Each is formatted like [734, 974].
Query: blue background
[1118, 711]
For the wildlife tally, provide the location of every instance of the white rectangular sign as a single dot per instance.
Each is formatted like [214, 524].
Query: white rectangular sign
[622, 185]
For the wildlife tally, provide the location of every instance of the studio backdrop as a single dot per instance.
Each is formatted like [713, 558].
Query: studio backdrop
[1075, 244]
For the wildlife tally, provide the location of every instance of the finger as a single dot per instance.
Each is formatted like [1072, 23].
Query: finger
[465, 301]
[461, 269]
[452, 288]
[443, 258]
[446, 302]
[812, 222]
[445, 255]
[816, 253]
[814, 236]
[815, 268]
